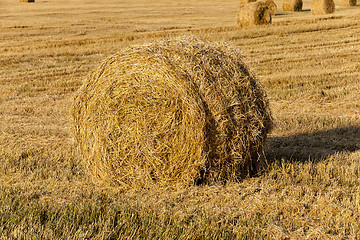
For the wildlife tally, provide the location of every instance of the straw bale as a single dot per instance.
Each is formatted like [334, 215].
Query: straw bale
[254, 13]
[271, 5]
[292, 5]
[347, 3]
[27, 0]
[319, 7]
[170, 113]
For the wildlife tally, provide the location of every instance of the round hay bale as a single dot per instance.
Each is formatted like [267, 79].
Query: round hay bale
[254, 13]
[173, 112]
[271, 5]
[292, 5]
[27, 0]
[320, 7]
[347, 3]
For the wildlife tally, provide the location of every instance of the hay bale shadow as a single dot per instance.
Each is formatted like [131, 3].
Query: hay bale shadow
[282, 13]
[313, 146]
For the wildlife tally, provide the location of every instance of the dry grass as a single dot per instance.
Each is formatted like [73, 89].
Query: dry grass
[254, 13]
[308, 64]
[176, 111]
[320, 7]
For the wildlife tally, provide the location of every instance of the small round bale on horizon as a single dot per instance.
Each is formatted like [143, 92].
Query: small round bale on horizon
[27, 0]
[254, 13]
[272, 6]
[346, 3]
[320, 7]
[171, 113]
[292, 5]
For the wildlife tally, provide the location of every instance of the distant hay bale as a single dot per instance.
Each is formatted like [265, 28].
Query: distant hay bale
[319, 7]
[27, 0]
[254, 13]
[292, 5]
[271, 5]
[173, 112]
[246, 1]
[347, 3]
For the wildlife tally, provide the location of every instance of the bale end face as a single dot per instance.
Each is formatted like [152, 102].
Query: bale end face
[254, 13]
[174, 112]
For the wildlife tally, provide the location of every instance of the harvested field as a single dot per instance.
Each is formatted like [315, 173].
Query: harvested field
[308, 64]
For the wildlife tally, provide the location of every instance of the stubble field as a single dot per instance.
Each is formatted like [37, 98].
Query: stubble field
[309, 65]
